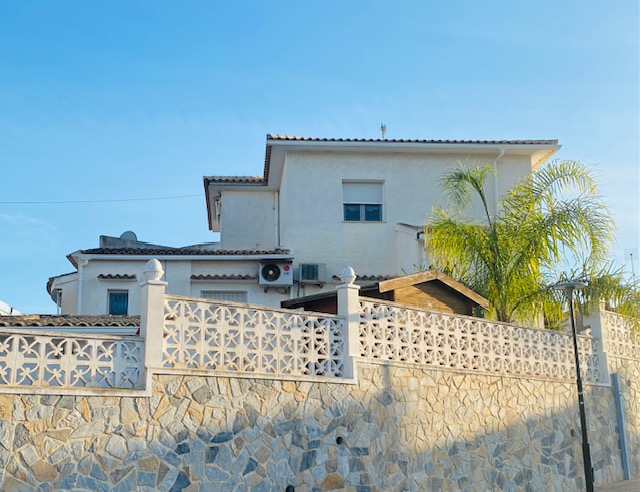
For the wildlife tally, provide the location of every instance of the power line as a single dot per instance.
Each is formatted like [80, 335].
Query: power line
[98, 201]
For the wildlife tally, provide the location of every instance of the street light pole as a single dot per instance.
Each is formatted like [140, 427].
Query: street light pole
[569, 288]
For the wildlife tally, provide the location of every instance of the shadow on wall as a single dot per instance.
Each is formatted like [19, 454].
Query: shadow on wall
[400, 428]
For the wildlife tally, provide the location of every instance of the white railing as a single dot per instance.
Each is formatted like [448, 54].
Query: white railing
[393, 332]
[197, 336]
[65, 361]
[204, 335]
[590, 352]
[622, 340]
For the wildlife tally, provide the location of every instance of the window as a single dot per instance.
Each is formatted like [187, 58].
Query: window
[225, 295]
[362, 201]
[118, 303]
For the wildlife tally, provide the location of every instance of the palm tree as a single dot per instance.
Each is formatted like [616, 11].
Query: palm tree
[611, 285]
[511, 257]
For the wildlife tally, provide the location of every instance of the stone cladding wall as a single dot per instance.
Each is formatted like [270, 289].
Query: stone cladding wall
[629, 373]
[399, 428]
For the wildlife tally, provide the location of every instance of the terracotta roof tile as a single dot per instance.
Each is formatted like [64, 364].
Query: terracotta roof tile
[175, 252]
[181, 251]
[267, 161]
[224, 277]
[116, 276]
[370, 278]
[275, 137]
[376, 278]
[236, 179]
[68, 320]
[411, 226]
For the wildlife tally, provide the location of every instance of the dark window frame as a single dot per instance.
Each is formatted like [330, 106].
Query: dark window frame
[112, 307]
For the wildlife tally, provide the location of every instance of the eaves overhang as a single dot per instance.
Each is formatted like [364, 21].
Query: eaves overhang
[279, 145]
[213, 186]
[76, 258]
[408, 145]
[58, 278]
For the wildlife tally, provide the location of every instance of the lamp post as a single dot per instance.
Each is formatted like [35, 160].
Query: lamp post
[568, 288]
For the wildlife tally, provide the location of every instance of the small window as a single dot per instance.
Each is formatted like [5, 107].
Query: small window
[118, 303]
[362, 201]
[225, 295]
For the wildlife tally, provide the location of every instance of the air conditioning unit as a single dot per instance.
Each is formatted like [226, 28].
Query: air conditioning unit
[312, 273]
[275, 273]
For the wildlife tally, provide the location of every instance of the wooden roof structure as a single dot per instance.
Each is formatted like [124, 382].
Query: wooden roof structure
[429, 275]
[431, 290]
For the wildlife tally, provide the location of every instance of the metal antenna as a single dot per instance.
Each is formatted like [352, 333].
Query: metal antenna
[630, 252]
[383, 130]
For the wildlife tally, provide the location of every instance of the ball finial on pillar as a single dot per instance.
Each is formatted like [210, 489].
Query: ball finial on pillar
[153, 270]
[347, 275]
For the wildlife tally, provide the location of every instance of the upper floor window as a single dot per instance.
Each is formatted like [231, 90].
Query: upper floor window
[118, 303]
[362, 201]
[225, 295]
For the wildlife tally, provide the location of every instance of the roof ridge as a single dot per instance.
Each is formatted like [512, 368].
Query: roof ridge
[182, 251]
[275, 136]
[234, 176]
[235, 179]
[62, 320]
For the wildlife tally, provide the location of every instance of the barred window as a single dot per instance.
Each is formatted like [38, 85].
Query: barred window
[225, 295]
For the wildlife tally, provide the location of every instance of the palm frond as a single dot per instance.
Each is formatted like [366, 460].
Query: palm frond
[553, 213]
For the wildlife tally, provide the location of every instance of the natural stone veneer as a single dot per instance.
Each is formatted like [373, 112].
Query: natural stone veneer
[629, 371]
[399, 428]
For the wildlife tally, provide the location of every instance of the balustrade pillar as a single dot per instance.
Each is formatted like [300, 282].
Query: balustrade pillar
[152, 314]
[599, 331]
[348, 295]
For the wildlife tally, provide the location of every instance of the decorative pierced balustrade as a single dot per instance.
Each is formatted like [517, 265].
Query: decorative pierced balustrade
[197, 336]
[239, 339]
[589, 350]
[58, 363]
[394, 332]
[622, 339]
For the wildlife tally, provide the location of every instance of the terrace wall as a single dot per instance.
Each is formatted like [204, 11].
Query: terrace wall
[408, 414]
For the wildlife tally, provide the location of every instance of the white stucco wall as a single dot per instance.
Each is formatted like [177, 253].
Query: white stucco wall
[409, 251]
[248, 220]
[223, 267]
[68, 285]
[255, 292]
[178, 275]
[95, 292]
[69, 296]
[311, 203]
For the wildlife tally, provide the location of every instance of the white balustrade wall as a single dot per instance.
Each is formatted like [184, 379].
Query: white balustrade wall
[623, 338]
[198, 336]
[393, 332]
[223, 337]
[54, 363]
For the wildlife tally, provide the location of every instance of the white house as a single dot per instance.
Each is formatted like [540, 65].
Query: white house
[335, 202]
[106, 278]
[320, 204]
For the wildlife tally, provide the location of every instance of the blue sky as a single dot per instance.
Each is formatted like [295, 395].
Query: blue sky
[116, 100]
